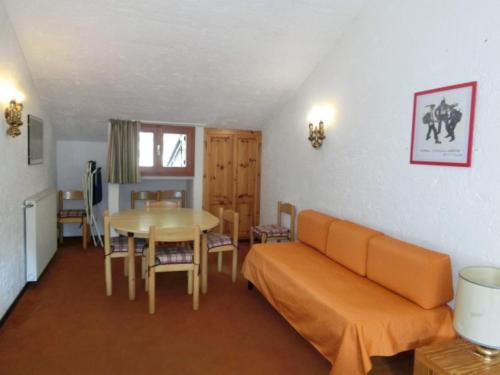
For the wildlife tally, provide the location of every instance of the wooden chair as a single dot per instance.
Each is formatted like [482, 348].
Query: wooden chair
[143, 196]
[218, 242]
[162, 257]
[163, 204]
[276, 232]
[173, 195]
[72, 216]
[117, 247]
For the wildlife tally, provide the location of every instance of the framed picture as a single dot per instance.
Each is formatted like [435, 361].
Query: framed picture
[443, 123]
[35, 140]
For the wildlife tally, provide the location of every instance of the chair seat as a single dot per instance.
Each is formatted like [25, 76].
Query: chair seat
[71, 214]
[120, 244]
[271, 231]
[217, 240]
[173, 255]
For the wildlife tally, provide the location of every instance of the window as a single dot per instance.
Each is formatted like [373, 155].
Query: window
[166, 150]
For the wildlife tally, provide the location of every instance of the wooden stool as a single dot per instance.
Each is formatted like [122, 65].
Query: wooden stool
[453, 357]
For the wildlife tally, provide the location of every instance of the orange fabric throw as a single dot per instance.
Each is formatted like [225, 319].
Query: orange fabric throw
[346, 317]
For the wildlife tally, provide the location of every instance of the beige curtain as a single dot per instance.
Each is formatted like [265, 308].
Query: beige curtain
[123, 152]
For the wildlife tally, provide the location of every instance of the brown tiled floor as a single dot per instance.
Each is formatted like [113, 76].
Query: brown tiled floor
[65, 324]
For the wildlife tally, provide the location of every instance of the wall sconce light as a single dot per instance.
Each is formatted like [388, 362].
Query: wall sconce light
[316, 134]
[13, 115]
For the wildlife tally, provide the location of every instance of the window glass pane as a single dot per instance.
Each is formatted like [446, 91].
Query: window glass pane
[146, 149]
[174, 150]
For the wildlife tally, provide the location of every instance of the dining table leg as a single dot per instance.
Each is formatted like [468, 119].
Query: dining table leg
[204, 261]
[131, 267]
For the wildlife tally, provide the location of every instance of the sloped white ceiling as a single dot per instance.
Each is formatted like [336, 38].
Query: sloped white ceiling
[229, 63]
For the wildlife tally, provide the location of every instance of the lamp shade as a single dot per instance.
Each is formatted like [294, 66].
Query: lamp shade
[477, 306]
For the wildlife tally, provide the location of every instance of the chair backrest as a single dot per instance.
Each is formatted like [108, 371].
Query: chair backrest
[142, 196]
[232, 218]
[107, 232]
[173, 195]
[66, 195]
[163, 204]
[174, 235]
[289, 209]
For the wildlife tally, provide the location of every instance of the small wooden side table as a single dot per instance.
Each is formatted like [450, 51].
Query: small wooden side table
[456, 357]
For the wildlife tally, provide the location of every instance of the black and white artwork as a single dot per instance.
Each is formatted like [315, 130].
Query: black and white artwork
[442, 125]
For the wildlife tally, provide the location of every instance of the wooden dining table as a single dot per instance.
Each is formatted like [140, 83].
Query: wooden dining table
[135, 223]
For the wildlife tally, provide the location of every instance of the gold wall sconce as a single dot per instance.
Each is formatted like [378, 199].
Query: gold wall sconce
[11, 99]
[316, 134]
[13, 115]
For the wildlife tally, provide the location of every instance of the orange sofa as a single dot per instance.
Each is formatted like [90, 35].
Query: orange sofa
[353, 292]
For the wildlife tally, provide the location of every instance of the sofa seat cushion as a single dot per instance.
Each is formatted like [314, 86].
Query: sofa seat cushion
[217, 240]
[120, 244]
[312, 228]
[346, 317]
[348, 244]
[423, 276]
[65, 214]
[173, 255]
[271, 230]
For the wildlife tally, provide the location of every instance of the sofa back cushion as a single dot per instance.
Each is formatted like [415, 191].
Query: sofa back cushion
[312, 228]
[423, 276]
[347, 244]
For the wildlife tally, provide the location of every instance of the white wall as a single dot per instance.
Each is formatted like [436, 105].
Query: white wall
[19, 181]
[199, 157]
[362, 172]
[72, 157]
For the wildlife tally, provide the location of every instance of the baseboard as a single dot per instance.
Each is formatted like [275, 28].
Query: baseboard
[74, 239]
[3, 319]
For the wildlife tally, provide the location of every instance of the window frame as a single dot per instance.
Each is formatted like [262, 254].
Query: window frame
[158, 169]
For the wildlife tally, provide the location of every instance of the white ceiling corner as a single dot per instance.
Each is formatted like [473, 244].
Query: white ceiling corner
[229, 63]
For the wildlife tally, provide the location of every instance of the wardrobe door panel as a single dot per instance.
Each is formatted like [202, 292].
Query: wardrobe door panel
[232, 174]
[247, 176]
[218, 176]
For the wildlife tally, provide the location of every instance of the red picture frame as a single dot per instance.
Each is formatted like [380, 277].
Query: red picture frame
[443, 125]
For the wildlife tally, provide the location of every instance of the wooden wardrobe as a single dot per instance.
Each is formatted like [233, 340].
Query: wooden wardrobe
[231, 175]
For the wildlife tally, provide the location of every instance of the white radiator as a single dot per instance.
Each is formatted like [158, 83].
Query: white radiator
[40, 232]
